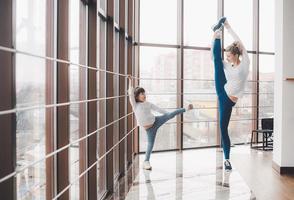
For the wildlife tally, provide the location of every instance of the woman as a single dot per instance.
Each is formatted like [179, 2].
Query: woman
[230, 79]
[145, 118]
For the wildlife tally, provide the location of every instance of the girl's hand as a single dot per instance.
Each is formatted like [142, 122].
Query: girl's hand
[130, 81]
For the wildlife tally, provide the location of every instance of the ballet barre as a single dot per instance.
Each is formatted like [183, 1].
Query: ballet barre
[17, 171]
[289, 79]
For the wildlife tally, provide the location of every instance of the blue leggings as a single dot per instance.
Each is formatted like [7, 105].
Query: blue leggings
[159, 121]
[225, 103]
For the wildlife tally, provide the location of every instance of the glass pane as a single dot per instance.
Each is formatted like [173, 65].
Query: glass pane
[158, 21]
[101, 92]
[266, 29]
[160, 63]
[103, 4]
[199, 16]
[200, 91]
[240, 126]
[200, 134]
[266, 67]
[240, 15]
[116, 11]
[30, 90]
[74, 95]
[251, 72]
[126, 15]
[240, 129]
[116, 106]
[266, 86]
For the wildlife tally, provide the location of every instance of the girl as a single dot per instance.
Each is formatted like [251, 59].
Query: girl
[230, 79]
[146, 119]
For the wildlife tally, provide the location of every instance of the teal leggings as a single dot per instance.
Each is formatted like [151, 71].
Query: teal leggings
[225, 103]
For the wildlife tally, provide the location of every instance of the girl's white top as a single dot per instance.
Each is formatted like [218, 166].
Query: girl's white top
[237, 76]
[143, 110]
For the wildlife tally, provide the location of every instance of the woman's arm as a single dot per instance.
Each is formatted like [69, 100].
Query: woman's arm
[131, 92]
[157, 109]
[245, 57]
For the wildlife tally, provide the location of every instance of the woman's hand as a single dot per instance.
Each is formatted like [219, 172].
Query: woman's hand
[227, 25]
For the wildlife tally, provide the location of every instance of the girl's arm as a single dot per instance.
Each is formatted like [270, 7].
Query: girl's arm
[131, 92]
[245, 57]
[157, 109]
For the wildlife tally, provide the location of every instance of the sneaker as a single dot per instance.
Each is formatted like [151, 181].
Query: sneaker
[146, 165]
[228, 166]
[219, 24]
[189, 107]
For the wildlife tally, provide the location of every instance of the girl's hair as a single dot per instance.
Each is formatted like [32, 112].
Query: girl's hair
[137, 92]
[234, 49]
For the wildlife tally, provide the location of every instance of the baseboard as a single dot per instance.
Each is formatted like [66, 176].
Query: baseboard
[282, 170]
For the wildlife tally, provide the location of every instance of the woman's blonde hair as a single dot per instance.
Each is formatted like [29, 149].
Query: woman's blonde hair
[234, 49]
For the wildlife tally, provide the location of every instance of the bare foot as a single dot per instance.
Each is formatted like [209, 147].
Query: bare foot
[189, 107]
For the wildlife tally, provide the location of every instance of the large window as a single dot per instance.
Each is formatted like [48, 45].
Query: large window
[30, 90]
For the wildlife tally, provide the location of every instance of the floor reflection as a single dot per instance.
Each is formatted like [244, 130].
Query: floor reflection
[148, 183]
[192, 174]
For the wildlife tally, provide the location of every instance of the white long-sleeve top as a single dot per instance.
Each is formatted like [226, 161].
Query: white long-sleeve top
[143, 110]
[237, 76]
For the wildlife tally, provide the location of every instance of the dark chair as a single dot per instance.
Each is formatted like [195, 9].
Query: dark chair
[267, 126]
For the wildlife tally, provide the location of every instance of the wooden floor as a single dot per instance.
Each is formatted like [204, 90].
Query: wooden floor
[255, 167]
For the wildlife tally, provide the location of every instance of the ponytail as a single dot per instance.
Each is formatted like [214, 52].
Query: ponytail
[234, 49]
